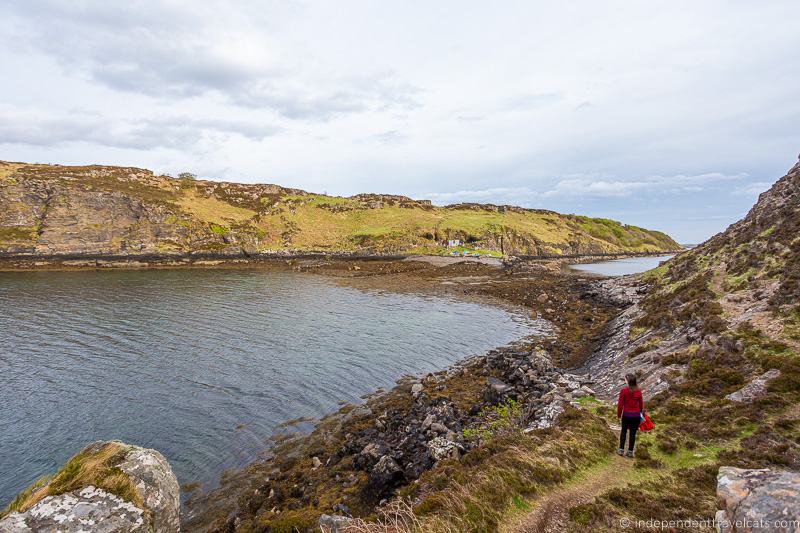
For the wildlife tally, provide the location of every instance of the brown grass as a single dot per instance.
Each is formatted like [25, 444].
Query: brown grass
[95, 465]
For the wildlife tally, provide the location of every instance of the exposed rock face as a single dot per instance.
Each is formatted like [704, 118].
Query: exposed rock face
[157, 486]
[619, 353]
[758, 500]
[88, 509]
[754, 389]
[49, 211]
[94, 509]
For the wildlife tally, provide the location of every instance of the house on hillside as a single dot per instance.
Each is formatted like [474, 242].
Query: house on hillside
[453, 243]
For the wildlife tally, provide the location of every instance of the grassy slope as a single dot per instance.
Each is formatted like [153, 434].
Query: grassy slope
[261, 218]
[697, 429]
[752, 266]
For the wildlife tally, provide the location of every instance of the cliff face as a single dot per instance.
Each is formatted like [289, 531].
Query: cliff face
[53, 210]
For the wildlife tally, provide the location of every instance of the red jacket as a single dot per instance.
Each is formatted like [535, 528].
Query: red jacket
[630, 402]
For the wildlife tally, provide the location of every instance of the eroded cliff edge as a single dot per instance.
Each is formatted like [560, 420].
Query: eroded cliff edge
[53, 210]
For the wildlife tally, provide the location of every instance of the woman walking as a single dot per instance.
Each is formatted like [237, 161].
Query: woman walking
[630, 408]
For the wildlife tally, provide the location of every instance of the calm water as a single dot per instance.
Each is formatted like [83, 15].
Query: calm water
[204, 364]
[621, 267]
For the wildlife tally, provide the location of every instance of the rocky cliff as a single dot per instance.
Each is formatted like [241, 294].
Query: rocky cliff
[52, 210]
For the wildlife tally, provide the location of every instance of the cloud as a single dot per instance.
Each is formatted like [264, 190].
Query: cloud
[496, 195]
[587, 186]
[181, 50]
[600, 187]
[752, 189]
[389, 137]
[522, 102]
[39, 129]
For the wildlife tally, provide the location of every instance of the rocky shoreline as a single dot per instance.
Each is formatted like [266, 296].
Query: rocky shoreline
[373, 449]
[359, 457]
[26, 262]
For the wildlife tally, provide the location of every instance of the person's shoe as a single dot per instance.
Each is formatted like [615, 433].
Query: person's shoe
[629, 453]
[620, 451]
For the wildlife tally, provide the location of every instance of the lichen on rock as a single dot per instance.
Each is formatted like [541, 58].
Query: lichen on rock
[107, 487]
[758, 499]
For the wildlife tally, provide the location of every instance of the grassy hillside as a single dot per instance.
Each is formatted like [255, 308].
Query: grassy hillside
[716, 318]
[116, 210]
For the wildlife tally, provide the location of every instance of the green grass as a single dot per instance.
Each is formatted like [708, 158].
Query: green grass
[498, 478]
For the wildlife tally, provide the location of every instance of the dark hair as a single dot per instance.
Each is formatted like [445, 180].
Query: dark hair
[631, 379]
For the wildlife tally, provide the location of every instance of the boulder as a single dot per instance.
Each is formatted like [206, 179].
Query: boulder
[382, 478]
[758, 500]
[754, 389]
[370, 455]
[495, 390]
[441, 448]
[97, 509]
[439, 428]
[333, 523]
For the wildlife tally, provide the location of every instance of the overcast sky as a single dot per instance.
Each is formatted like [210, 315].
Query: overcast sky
[669, 115]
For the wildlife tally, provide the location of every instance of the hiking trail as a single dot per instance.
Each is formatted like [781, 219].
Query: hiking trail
[550, 513]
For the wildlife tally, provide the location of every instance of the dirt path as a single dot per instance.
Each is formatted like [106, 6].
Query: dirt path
[551, 513]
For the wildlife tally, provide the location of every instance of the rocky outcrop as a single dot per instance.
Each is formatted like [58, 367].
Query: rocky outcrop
[758, 500]
[754, 389]
[622, 351]
[404, 444]
[90, 508]
[87, 509]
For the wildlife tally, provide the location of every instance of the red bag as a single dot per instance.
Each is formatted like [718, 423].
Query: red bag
[646, 424]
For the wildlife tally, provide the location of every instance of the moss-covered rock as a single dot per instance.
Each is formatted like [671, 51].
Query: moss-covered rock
[106, 487]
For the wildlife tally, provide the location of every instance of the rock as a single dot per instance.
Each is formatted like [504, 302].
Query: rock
[549, 414]
[342, 509]
[416, 388]
[760, 496]
[90, 508]
[370, 455]
[542, 298]
[157, 486]
[495, 390]
[722, 522]
[441, 448]
[78, 510]
[426, 424]
[316, 463]
[333, 523]
[382, 478]
[439, 428]
[754, 389]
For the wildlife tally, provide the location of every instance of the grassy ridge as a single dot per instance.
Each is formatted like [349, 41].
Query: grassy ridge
[185, 214]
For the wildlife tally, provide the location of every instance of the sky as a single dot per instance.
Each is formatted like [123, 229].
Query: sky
[671, 115]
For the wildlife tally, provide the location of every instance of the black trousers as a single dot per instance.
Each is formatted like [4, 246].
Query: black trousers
[629, 424]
